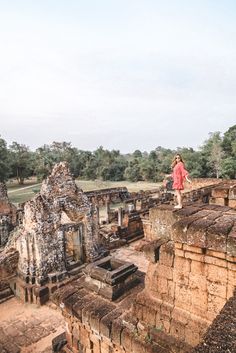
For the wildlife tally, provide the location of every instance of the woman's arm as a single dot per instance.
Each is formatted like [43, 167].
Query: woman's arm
[188, 180]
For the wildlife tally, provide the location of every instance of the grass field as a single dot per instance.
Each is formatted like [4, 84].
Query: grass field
[21, 193]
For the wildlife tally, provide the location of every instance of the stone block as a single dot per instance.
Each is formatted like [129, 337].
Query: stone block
[75, 329]
[220, 192]
[212, 201]
[162, 285]
[95, 339]
[165, 271]
[177, 329]
[194, 257]
[216, 242]
[183, 297]
[217, 274]
[197, 281]
[182, 265]
[223, 225]
[220, 201]
[215, 261]
[216, 254]
[199, 303]
[126, 339]
[171, 292]
[196, 234]
[149, 315]
[179, 253]
[69, 339]
[138, 310]
[84, 336]
[231, 266]
[217, 289]
[101, 309]
[215, 304]
[138, 346]
[42, 300]
[230, 291]
[41, 291]
[96, 348]
[198, 268]
[180, 315]
[105, 348]
[231, 242]
[116, 330]
[232, 203]
[180, 278]
[193, 249]
[178, 245]
[232, 192]
[69, 302]
[80, 304]
[192, 334]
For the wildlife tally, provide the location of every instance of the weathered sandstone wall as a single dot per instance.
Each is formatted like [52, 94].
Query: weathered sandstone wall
[192, 271]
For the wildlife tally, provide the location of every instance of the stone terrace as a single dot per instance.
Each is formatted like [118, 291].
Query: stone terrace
[190, 277]
[192, 270]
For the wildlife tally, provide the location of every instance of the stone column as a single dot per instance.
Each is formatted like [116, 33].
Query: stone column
[120, 216]
[107, 211]
[98, 216]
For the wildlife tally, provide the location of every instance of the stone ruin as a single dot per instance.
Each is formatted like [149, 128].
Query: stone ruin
[58, 234]
[187, 297]
[188, 291]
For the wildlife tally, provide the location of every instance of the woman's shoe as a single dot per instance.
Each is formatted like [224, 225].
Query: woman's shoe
[178, 207]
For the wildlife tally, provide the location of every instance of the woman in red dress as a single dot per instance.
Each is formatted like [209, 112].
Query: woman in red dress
[179, 175]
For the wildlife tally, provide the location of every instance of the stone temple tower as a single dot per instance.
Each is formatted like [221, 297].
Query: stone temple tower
[59, 233]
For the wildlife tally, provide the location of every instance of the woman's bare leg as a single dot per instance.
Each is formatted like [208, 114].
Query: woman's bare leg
[179, 198]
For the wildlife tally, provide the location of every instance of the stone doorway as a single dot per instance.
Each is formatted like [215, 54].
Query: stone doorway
[74, 246]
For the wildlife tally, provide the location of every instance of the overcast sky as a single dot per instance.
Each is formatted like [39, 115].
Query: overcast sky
[124, 74]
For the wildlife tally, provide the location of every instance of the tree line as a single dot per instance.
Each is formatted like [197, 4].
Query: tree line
[215, 158]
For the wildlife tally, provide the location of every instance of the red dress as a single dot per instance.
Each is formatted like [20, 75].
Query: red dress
[179, 174]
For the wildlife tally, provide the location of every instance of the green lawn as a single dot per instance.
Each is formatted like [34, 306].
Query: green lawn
[22, 193]
[88, 185]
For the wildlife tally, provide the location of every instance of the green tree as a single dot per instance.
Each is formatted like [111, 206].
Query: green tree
[229, 142]
[229, 168]
[21, 161]
[115, 171]
[4, 161]
[132, 172]
[213, 153]
[194, 162]
[43, 162]
[137, 154]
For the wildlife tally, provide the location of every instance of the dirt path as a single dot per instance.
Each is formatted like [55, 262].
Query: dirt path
[26, 187]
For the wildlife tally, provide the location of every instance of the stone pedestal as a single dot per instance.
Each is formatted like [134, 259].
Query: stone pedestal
[110, 277]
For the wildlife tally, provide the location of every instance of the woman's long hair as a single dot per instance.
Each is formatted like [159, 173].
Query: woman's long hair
[174, 161]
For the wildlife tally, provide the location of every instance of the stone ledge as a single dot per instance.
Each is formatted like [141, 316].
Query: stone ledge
[211, 229]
